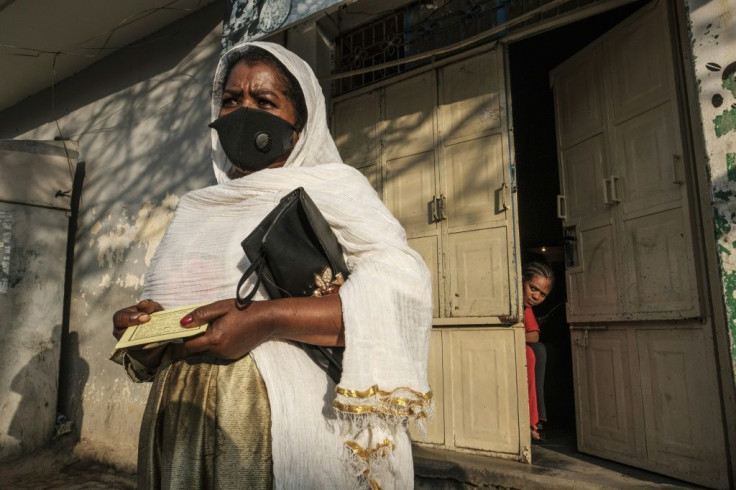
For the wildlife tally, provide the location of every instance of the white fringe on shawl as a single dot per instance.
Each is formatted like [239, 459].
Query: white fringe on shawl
[386, 307]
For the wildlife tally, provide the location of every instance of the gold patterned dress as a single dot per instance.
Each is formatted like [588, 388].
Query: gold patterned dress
[206, 425]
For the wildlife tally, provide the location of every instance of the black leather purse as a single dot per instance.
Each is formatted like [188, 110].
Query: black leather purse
[294, 252]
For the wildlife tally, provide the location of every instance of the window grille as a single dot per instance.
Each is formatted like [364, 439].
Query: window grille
[423, 26]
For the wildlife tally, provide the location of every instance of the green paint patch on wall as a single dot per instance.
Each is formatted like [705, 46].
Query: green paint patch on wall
[723, 227]
[729, 289]
[730, 84]
[722, 195]
[725, 123]
[731, 166]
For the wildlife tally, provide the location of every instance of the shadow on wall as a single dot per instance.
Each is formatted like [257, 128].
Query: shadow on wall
[33, 424]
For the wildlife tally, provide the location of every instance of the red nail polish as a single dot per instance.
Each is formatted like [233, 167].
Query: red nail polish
[186, 320]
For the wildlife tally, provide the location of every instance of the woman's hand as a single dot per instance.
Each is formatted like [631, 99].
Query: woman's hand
[133, 315]
[137, 315]
[235, 331]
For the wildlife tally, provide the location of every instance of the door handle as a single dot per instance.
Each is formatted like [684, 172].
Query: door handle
[610, 195]
[606, 191]
[614, 191]
[561, 206]
[676, 170]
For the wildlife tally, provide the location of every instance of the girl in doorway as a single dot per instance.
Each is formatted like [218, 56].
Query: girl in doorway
[537, 280]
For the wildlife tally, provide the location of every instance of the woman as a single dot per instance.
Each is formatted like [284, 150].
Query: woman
[241, 405]
[537, 280]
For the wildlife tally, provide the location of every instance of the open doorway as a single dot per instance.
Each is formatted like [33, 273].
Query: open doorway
[537, 179]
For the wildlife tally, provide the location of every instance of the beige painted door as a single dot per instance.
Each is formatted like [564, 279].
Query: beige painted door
[645, 379]
[646, 396]
[623, 196]
[442, 165]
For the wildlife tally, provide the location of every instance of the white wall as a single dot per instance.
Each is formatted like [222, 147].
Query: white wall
[140, 117]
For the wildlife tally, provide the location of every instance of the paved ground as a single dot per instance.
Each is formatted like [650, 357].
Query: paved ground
[556, 466]
[57, 467]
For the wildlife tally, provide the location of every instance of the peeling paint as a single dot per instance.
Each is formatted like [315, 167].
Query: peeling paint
[105, 281]
[146, 231]
[132, 281]
[725, 123]
[731, 166]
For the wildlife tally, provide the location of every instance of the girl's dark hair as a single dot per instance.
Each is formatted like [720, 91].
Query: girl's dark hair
[537, 269]
[254, 55]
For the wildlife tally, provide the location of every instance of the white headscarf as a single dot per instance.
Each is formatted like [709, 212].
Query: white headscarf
[315, 145]
[317, 427]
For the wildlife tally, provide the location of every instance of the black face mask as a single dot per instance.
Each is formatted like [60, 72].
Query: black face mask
[253, 139]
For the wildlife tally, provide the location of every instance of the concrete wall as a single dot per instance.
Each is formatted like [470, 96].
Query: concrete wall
[712, 33]
[140, 117]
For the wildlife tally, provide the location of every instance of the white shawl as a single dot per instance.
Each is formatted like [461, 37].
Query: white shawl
[386, 305]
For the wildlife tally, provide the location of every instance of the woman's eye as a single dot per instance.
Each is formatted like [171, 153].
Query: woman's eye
[265, 103]
[231, 102]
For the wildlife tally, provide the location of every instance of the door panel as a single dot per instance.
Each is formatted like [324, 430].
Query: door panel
[592, 288]
[435, 428]
[470, 102]
[579, 99]
[640, 64]
[584, 168]
[410, 187]
[481, 273]
[409, 124]
[651, 173]
[661, 275]
[428, 248]
[676, 387]
[604, 393]
[475, 174]
[484, 390]
[355, 123]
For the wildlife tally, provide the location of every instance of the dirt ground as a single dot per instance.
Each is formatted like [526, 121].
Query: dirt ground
[57, 467]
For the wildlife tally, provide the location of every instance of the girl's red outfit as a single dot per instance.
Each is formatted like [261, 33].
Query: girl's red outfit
[531, 325]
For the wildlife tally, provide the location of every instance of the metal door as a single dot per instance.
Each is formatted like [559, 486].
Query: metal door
[443, 162]
[33, 240]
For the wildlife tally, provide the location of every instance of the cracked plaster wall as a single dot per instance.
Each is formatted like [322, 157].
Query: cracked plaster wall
[712, 26]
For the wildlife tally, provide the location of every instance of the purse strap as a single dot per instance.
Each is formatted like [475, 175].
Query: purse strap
[257, 267]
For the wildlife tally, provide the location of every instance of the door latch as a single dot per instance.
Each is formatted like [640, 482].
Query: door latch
[437, 209]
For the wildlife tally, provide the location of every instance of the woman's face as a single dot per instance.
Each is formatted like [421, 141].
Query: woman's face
[257, 86]
[536, 290]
